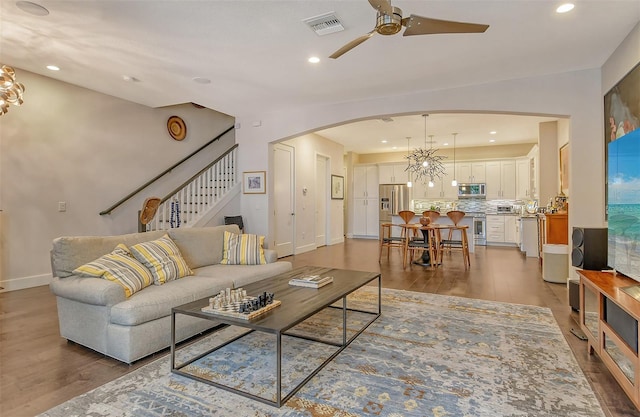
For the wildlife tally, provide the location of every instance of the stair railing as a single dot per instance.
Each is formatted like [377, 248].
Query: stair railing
[189, 202]
[166, 171]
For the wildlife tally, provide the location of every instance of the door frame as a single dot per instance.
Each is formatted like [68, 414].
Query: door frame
[327, 197]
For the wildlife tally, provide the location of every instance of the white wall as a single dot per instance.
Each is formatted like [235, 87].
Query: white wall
[307, 147]
[576, 95]
[89, 150]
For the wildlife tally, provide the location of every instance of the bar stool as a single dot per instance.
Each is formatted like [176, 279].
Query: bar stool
[463, 246]
[387, 240]
[432, 215]
[455, 216]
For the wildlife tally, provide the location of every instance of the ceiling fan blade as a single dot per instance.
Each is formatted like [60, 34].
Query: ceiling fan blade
[351, 45]
[383, 6]
[419, 25]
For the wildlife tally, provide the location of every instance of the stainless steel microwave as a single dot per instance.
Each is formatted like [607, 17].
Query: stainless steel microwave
[472, 190]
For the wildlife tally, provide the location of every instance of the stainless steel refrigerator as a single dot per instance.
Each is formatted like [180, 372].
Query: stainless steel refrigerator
[393, 199]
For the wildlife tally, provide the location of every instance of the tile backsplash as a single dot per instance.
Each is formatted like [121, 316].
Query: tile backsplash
[475, 205]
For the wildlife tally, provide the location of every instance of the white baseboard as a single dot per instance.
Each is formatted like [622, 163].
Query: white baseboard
[25, 282]
[306, 248]
[337, 240]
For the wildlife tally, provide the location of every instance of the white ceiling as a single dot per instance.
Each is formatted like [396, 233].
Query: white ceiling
[255, 51]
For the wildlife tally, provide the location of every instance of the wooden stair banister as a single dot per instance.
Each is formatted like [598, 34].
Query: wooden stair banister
[163, 173]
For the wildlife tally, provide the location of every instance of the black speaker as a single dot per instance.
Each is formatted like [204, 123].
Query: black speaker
[589, 248]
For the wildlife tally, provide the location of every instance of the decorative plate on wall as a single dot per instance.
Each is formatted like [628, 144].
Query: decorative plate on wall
[177, 128]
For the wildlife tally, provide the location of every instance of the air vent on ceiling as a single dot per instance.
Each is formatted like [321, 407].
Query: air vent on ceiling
[324, 24]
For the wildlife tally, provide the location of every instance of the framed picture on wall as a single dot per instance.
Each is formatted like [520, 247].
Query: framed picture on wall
[337, 187]
[564, 169]
[253, 182]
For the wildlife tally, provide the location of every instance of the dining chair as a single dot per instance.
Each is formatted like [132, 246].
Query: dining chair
[450, 243]
[387, 240]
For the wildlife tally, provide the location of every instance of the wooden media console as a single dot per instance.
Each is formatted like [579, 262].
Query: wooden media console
[609, 316]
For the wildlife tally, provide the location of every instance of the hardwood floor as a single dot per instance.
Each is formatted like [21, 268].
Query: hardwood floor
[39, 369]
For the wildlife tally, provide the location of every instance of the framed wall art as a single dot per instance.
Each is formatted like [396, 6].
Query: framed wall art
[337, 187]
[253, 182]
[564, 169]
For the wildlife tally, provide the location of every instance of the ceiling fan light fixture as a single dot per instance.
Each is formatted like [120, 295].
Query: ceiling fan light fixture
[389, 24]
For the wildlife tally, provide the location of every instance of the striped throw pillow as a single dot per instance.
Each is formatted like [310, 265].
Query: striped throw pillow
[120, 267]
[162, 257]
[243, 249]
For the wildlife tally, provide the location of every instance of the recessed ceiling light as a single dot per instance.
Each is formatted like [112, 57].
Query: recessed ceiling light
[129, 78]
[395, 147]
[493, 132]
[53, 68]
[383, 141]
[201, 80]
[567, 7]
[492, 140]
[32, 8]
[445, 144]
[314, 59]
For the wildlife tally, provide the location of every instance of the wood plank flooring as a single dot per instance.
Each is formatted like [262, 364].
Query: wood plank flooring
[39, 369]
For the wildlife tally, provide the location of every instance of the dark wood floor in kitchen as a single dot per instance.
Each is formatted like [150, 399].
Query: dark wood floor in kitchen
[39, 370]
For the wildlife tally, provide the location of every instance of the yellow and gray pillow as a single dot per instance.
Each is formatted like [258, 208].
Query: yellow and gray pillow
[243, 249]
[162, 257]
[120, 267]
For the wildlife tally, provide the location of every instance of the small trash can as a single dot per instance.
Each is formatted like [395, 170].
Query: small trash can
[555, 263]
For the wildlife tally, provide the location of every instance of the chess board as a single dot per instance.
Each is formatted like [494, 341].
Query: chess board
[232, 310]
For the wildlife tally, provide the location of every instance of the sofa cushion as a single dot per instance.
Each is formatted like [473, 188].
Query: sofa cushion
[201, 246]
[156, 301]
[242, 275]
[120, 267]
[69, 252]
[243, 249]
[162, 257]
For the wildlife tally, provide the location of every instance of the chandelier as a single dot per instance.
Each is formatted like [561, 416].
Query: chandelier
[10, 90]
[423, 163]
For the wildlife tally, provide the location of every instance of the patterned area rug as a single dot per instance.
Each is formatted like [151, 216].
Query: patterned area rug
[427, 355]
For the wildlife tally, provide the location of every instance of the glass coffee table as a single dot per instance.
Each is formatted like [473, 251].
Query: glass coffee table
[297, 305]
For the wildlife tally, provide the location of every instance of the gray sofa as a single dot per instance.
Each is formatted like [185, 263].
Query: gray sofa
[94, 312]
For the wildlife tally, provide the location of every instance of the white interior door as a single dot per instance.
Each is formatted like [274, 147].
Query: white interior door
[322, 190]
[284, 208]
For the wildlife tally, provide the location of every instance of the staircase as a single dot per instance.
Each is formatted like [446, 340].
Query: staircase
[200, 197]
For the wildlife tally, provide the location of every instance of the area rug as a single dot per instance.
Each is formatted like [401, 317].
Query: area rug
[427, 355]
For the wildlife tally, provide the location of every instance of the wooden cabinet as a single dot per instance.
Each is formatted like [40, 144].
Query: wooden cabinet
[365, 181]
[470, 172]
[501, 179]
[557, 229]
[609, 317]
[510, 229]
[393, 174]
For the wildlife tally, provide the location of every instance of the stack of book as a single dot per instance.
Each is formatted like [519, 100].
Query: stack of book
[311, 281]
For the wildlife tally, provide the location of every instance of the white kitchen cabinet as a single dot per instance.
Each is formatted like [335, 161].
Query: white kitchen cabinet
[442, 187]
[470, 172]
[501, 228]
[510, 229]
[393, 174]
[501, 179]
[523, 168]
[495, 228]
[365, 217]
[365, 181]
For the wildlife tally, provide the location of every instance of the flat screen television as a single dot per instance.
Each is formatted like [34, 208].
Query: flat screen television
[623, 205]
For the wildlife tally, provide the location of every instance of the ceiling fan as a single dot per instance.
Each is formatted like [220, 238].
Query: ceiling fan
[389, 22]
